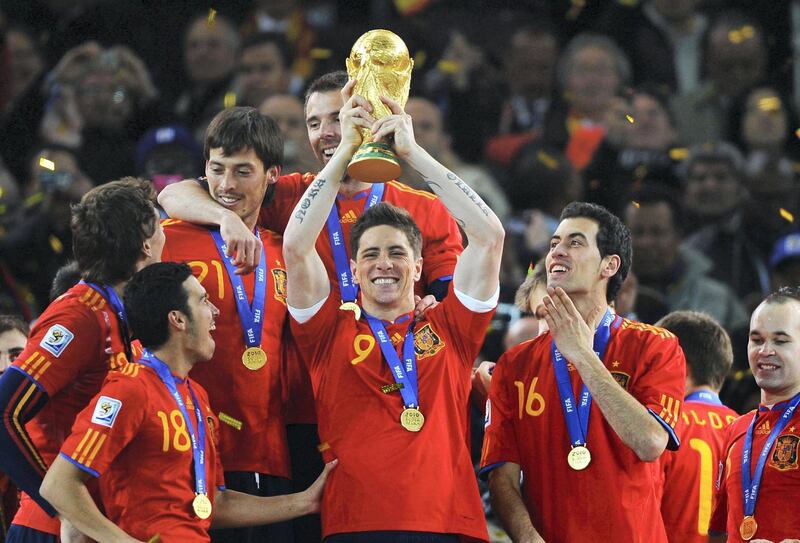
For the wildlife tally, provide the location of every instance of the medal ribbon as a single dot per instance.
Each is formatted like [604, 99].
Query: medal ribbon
[250, 316]
[122, 318]
[577, 417]
[750, 486]
[347, 289]
[404, 372]
[705, 396]
[199, 438]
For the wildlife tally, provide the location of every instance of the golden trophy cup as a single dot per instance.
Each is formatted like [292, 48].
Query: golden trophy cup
[381, 66]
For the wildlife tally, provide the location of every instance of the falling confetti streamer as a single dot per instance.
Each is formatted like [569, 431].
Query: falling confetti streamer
[212, 17]
[47, 164]
[630, 119]
[787, 215]
[635, 204]
[229, 100]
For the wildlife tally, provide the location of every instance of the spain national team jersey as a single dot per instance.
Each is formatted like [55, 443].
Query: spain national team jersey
[70, 350]
[389, 478]
[135, 439]
[440, 249]
[615, 497]
[778, 506]
[689, 473]
[249, 403]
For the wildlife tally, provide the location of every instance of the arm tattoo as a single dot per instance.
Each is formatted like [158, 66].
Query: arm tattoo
[471, 194]
[305, 203]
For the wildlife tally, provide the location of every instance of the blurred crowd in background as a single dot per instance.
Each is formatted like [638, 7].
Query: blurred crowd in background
[677, 115]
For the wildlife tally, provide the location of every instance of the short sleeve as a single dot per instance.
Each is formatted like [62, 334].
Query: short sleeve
[62, 345]
[315, 336]
[467, 329]
[661, 385]
[107, 424]
[275, 213]
[499, 438]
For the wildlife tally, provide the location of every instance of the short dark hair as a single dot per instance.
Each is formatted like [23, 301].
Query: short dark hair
[13, 322]
[706, 345]
[150, 295]
[66, 277]
[240, 128]
[331, 81]
[653, 194]
[109, 226]
[274, 38]
[783, 295]
[613, 238]
[386, 214]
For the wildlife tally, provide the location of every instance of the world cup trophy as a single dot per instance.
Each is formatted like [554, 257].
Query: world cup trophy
[381, 66]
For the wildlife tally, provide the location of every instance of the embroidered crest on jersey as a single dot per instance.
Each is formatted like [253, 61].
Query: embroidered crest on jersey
[621, 378]
[106, 411]
[56, 339]
[279, 279]
[784, 455]
[427, 342]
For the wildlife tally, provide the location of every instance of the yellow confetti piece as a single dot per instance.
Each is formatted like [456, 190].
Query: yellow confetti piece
[787, 215]
[229, 100]
[47, 164]
[419, 59]
[320, 53]
[771, 103]
[747, 31]
[212, 17]
[735, 36]
[55, 244]
[322, 447]
[630, 119]
[550, 162]
[680, 153]
[449, 67]
[2, 191]
[636, 204]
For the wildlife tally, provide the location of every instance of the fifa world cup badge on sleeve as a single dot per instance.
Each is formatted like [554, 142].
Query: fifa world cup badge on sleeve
[106, 411]
[56, 339]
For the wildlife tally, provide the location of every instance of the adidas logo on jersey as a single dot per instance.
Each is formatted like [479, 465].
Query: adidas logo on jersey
[764, 429]
[350, 216]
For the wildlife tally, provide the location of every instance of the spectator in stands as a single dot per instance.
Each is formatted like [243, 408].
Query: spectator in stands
[264, 68]
[735, 60]
[763, 122]
[26, 61]
[662, 38]
[645, 153]
[785, 261]
[676, 276]
[210, 51]
[168, 154]
[287, 110]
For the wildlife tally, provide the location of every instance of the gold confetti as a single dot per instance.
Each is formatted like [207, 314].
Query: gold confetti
[419, 59]
[320, 53]
[55, 244]
[769, 104]
[630, 119]
[322, 447]
[550, 162]
[787, 215]
[47, 164]
[635, 204]
[449, 66]
[229, 100]
[738, 35]
[747, 32]
[680, 153]
[212, 17]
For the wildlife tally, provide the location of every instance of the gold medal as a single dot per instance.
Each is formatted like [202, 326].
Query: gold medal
[352, 306]
[579, 458]
[254, 358]
[412, 419]
[748, 527]
[202, 506]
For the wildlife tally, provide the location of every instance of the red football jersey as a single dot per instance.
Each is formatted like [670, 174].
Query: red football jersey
[778, 505]
[389, 478]
[616, 495]
[249, 403]
[441, 245]
[689, 473]
[134, 438]
[70, 350]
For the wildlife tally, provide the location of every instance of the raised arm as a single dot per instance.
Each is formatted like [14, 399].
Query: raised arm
[477, 271]
[307, 279]
[189, 201]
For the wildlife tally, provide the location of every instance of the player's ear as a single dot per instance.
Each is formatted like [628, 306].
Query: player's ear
[609, 266]
[353, 271]
[177, 319]
[418, 269]
[273, 174]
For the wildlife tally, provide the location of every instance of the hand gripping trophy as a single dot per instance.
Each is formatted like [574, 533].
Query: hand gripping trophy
[381, 66]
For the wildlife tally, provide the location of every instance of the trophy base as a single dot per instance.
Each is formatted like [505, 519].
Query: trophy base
[374, 163]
